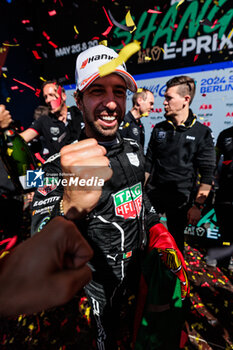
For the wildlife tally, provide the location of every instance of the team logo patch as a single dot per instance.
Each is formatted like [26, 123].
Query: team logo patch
[54, 130]
[135, 131]
[161, 135]
[128, 202]
[133, 158]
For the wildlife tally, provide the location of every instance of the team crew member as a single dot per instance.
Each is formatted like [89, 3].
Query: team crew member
[115, 228]
[132, 127]
[224, 193]
[179, 149]
[61, 126]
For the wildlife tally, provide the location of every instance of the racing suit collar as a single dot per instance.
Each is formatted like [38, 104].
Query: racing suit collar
[190, 121]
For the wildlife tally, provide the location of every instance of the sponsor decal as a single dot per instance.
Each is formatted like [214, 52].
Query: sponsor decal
[128, 202]
[84, 64]
[133, 158]
[43, 223]
[50, 184]
[190, 137]
[46, 201]
[43, 210]
[206, 106]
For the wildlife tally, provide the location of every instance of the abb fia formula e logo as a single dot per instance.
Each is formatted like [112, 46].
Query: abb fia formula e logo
[128, 202]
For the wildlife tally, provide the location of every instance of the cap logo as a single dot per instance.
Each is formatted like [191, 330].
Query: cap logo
[84, 64]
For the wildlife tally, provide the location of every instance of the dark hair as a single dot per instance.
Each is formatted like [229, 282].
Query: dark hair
[54, 81]
[186, 85]
[40, 111]
[141, 92]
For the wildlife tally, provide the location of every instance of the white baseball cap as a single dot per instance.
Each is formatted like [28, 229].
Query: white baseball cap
[88, 63]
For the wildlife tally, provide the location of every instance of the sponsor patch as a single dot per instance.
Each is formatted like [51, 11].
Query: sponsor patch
[128, 202]
[43, 223]
[43, 210]
[50, 184]
[46, 201]
[133, 158]
[188, 137]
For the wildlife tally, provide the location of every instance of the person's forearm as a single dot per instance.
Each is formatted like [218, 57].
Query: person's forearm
[202, 193]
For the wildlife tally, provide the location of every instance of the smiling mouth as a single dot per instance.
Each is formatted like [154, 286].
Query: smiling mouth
[108, 118]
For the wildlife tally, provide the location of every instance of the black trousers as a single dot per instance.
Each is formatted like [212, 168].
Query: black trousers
[108, 295]
[176, 223]
[224, 212]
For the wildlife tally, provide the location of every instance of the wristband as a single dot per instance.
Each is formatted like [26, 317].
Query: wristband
[199, 206]
[61, 208]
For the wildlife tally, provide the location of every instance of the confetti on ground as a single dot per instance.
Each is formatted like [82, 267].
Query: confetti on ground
[208, 325]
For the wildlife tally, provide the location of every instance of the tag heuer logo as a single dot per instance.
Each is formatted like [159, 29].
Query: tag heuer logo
[128, 202]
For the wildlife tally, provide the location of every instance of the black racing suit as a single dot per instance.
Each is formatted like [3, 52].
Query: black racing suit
[224, 194]
[115, 230]
[175, 156]
[132, 129]
[55, 133]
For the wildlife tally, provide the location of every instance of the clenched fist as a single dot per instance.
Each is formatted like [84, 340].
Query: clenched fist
[5, 117]
[86, 161]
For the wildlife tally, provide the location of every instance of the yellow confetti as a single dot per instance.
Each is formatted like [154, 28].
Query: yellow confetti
[221, 281]
[139, 90]
[31, 327]
[5, 44]
[76, 30]
[129, 22]
[145, 114]
[8, 99]
[179, 3]
[226, 243]
[124, 55]
[4, 75]
[104, 42]
[126, 125]
[41, 78]
[229, 35]
[162, 49]
[9, 151]
[147, 58]
[4, 254]
[20, 318]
